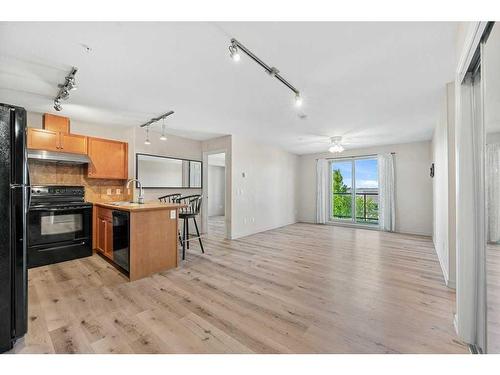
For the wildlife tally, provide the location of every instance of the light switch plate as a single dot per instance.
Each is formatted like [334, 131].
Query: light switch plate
[172, 214]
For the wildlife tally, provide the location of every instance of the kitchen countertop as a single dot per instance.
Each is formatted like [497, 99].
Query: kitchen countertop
[136, 207]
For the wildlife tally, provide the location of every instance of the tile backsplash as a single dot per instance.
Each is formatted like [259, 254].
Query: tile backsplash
[96, 190]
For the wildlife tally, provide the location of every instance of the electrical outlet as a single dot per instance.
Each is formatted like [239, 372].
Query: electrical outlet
[118, 191]
[108, 191]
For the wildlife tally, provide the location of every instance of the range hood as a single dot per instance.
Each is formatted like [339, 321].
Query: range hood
[58, 157]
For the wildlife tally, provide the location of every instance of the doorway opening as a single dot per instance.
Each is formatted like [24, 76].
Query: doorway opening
[216, 195]
[354, 191]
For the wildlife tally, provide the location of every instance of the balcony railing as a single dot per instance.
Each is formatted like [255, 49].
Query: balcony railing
[366, 207]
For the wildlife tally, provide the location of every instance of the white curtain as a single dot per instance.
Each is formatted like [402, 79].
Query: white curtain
[493, 191]
[387, 207]
[321, 190]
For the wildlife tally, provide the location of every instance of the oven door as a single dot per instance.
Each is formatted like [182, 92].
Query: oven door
[51, 225]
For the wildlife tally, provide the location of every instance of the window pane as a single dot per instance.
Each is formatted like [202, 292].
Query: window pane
[366, 191]
[341, 203]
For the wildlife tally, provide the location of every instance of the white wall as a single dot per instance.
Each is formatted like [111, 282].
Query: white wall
[444, 216]
[216, 190]
[413, 185]
[266, 196]
[177, 147]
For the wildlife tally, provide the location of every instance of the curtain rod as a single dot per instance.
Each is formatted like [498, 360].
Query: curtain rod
[354, 157]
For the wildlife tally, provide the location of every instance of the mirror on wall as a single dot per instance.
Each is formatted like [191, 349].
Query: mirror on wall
[490, 72]
[161, 172]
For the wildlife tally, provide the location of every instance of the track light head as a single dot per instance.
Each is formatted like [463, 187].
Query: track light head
[71, 83]
[163, 137]
[64, 94]
[234, 53]
[298, 100]
[57, 105]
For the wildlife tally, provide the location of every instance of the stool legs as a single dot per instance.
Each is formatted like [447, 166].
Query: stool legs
[184, 240]
[184, 236]
[198, 234]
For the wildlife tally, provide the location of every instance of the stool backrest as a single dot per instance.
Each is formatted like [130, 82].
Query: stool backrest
[169, 198]
[193, 204]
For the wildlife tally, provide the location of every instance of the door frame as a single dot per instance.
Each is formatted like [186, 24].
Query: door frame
[227, 211]
[470, 211]
[353, 221]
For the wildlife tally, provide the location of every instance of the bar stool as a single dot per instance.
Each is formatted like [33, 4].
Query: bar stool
[193, 203]
[169, 198]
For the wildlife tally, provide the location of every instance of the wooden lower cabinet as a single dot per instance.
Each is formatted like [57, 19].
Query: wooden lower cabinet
[104, 232]
[152, 234]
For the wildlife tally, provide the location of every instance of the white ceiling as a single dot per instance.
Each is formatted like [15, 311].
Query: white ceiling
[372, 83]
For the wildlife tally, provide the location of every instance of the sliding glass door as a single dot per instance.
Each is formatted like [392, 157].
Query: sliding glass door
[354, 190]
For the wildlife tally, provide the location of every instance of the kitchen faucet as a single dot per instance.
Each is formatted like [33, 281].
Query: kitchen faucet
[141, 195]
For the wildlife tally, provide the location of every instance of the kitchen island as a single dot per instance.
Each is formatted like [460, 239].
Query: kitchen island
[140, 239]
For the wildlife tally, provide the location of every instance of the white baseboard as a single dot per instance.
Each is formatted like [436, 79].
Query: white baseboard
[265, 229]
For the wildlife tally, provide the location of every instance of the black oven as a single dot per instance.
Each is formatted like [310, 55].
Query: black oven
[59, 225]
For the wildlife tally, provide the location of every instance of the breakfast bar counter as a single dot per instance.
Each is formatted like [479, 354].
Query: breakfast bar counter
[140, 239]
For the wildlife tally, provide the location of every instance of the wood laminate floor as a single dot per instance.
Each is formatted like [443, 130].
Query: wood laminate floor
[302, 288]
[216, 226]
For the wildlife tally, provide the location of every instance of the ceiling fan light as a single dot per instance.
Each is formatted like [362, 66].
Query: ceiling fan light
[335, 146]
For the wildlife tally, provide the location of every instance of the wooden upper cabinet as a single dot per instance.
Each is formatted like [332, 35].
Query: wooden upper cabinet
[41, 139]
[55, 123]
[108, 159]
[76, 144]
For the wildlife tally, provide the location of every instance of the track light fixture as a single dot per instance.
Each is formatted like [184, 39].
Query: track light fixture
[335, 146]
[234, 51]
[163, 136]
[64, 89]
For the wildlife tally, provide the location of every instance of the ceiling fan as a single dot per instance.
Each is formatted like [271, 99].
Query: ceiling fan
[334, 144]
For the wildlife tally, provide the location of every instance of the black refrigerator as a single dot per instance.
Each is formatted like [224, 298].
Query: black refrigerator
[13, 209]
